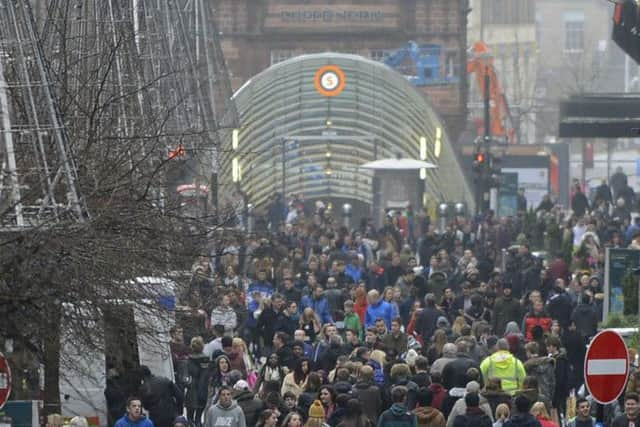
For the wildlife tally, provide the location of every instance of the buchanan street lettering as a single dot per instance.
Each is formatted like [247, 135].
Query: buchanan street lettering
[332, 16]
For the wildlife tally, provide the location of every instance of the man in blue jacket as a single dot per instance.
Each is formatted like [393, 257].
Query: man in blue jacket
[257, 290]
[134, 416]
[318, 303]
[377, 309]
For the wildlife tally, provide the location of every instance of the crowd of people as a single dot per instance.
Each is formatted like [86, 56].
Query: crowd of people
[311, 323]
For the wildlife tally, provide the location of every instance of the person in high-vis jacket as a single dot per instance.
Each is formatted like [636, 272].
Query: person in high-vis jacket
[504, 366]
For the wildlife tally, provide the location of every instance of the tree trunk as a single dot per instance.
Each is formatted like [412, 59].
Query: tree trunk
[51, 359]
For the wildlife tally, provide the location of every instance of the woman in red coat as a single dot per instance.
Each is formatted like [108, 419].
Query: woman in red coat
[360, 305]
[539, 411]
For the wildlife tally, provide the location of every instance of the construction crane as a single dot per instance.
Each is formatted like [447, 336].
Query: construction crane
[420, 64]
[497, 114]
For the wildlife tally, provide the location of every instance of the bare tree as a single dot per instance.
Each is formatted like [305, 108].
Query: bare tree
[129, 86]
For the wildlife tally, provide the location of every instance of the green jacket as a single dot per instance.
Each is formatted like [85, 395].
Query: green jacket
[352, 321]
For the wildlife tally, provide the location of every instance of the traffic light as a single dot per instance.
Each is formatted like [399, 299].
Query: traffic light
[625, 34]
[480, 162]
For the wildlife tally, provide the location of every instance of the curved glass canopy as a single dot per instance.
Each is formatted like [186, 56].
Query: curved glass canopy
[293, 139]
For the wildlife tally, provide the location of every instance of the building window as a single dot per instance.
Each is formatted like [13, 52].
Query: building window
[508, 12]
[281, 55]
[574, 31]
[452, 66]
[380, 55]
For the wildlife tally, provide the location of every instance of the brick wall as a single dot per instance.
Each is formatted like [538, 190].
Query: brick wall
[250, 34]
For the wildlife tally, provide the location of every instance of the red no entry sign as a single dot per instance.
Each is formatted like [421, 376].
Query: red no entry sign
[606, 366]
[5, 380]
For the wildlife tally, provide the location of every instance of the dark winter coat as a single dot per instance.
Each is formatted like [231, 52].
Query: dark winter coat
[370, 397]
[559, 307]
[336, 417]
[305, 400]
[574, 342]
[534, 396]
[412, 392]
[330, 357]
[286, 324]
[522, 420]
[562, 371]
[474, 417]
[586, 318]
[197, 366]
[543, 368]
[250, 405]
[579, 204]
[422, 379]
[266, 324]
[494, 398]
[163, 399]
[427, 321]
[455, 373]
[342, 387]
[397, 416]
[623, 421]
[116, 398]
[285, 355]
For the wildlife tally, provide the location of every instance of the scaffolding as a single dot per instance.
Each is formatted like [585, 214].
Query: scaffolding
[37, 174]
[86, 80]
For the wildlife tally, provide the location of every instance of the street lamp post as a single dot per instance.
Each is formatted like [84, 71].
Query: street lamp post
[443, 211]
[250, 218]
[346, 215]
[284, 164]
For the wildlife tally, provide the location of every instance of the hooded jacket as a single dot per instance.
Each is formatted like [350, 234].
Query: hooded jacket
[397, 416]
[504, 310]
[429, 417]
[473, 417]
[162, 398]
[370, 397]
[586, 318]
[232, 416]
[250, 405]
[412, 391]
[544, 369]
[506, 367]
[439, 395]
[460, 408]
[559, 307]
[427, 322]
